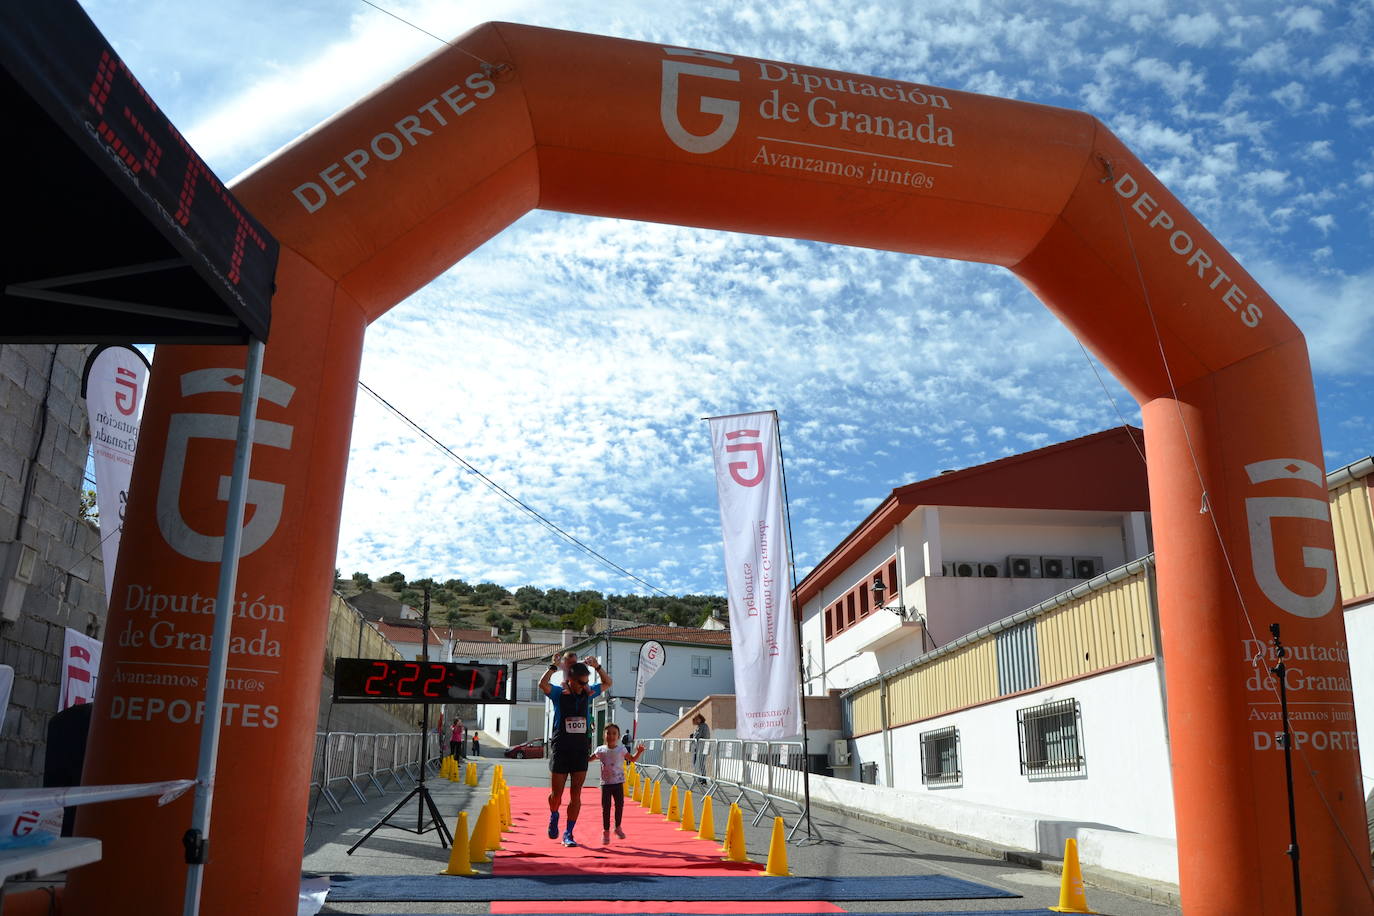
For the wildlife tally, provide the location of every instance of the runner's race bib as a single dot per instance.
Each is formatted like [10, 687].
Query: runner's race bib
[575, 725]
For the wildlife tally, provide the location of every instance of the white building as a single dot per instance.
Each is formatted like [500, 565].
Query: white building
[697, 663]
[1048, 721]
[940, 558]
[507, 724]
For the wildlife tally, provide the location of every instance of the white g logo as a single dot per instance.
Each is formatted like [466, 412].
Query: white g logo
[726, 109]
[265, 497]
[1260, 511]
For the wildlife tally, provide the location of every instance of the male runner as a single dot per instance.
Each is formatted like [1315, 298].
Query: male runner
[572, 743]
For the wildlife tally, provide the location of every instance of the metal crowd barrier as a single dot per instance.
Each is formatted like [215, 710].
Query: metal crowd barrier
[764, 776]
[346, 762]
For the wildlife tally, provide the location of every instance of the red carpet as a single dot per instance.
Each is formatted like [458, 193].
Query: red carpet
[653, 846]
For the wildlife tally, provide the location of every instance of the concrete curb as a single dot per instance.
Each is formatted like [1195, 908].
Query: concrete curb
[1144, 888]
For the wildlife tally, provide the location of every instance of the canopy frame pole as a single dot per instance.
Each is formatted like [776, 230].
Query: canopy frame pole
[196, 839]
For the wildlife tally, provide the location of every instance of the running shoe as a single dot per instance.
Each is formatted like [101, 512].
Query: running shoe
[553, 826]
[605, 838]
[620, 833]
[568, 838]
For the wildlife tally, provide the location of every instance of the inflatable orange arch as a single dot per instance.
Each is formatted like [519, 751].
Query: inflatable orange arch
[376, 202]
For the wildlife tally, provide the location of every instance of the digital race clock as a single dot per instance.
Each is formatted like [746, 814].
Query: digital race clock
[371, 680]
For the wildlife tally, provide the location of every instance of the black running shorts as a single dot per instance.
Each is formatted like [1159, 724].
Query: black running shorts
[569, 754]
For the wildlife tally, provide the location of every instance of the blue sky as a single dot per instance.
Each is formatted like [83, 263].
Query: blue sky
[571, 358]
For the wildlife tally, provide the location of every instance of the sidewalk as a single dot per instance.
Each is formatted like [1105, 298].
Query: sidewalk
[852, 847]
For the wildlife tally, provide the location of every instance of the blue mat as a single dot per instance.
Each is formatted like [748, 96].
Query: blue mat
[423, 888]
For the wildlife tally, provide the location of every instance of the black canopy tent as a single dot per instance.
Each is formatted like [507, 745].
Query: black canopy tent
[119, 232]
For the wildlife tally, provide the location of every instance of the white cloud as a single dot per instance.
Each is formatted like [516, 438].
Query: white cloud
[1176, 79]
[1270, 58]
[1305, 19]
[1319, 150]
[1292, 96]
[1339, 59]
[1194, 30]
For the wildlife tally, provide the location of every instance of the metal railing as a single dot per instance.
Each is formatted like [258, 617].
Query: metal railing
[767, 777]
[363, 760]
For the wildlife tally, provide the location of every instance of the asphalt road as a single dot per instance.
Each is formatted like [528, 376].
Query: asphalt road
[849, 847]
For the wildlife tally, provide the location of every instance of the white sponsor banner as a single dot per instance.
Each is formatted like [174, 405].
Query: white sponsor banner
[116, 378]
[757, 580]
[80, 665]
[651, 658]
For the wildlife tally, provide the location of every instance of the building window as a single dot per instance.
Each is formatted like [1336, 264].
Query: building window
[940, 757]
[701, 666]
[1050, 741]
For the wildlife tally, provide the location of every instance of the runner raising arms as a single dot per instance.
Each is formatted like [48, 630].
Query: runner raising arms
[571, 744]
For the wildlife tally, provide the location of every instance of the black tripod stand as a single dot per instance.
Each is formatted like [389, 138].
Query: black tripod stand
[427, 815]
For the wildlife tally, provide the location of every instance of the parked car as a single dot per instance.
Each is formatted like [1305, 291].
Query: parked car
[533, 748]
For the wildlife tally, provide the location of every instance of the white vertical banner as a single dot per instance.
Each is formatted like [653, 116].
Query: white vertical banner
[651, 658]
[757, 575]
[114, 383]
[80, 664]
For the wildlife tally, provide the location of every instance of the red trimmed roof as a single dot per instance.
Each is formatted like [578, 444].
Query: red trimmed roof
[1102, 472]
[395, 633]
[673, 634]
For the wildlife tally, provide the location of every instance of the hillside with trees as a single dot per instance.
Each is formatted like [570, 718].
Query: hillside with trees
[484, 605]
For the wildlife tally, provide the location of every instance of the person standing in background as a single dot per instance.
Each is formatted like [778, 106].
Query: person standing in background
[455, 740]
[700, 733]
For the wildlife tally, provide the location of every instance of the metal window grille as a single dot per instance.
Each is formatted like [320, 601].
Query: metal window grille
[701, 665]
[1050, 740]
[940, 757]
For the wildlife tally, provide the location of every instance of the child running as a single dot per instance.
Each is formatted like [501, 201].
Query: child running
[613, 755]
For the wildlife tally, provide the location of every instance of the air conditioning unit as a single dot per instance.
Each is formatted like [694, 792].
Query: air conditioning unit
[839, 752]
[965, 569]
[1056, 567]
[1087, 567]
[1023, 567]
[947, 568]
[989, 570]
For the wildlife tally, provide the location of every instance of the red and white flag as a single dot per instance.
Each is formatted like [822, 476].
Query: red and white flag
[757, 575]
[115, 380]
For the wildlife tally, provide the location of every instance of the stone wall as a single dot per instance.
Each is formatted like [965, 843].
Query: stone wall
[51, 575]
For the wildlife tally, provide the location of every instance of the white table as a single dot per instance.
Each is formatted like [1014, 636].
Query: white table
[62, 854]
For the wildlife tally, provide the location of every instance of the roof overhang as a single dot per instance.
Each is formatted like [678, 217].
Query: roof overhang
[123, 234]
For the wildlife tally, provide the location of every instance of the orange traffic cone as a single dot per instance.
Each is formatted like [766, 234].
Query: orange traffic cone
[707, 830]
[477, 843]
[1072, 899]
[777, 852]
[673, 813]
[729, 827]
[655, 800]
[493, 828]
[735, 850]
[689, 821]
[459, 862]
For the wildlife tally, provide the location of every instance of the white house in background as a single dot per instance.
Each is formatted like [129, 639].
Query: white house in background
[409, 641]
[940, 558]
[697, 663]
[1051, 721]
[507, 724]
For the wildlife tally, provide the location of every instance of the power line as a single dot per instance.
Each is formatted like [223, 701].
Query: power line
[510, 497]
